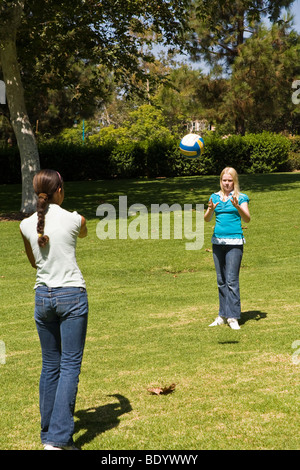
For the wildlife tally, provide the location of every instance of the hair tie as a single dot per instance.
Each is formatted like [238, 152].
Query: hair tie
[43, 196]
[40, 235]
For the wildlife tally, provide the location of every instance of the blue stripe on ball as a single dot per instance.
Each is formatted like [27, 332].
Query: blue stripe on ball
[194, 149]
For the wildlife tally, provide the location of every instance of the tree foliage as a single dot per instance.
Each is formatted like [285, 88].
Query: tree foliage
[38, 38]
[221, 26]
[259, 93]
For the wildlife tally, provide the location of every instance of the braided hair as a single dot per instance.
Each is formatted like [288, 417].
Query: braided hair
[45, 185]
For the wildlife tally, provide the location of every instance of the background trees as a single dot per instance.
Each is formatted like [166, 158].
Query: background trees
[259, 93]
[220, 30]
[40, 37]
[74, 59]
[220, 27]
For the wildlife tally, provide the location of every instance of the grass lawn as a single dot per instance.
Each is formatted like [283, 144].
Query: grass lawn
[151, 302]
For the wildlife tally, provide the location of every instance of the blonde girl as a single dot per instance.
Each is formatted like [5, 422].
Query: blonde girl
[230, 206]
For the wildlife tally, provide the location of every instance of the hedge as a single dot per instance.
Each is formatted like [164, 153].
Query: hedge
[253, 153]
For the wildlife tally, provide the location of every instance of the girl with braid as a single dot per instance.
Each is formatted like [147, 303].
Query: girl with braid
[61, 306]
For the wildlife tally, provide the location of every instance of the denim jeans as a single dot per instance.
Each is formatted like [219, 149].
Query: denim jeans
[227, 259]
[61, 320]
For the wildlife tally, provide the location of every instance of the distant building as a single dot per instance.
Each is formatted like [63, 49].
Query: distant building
[199, 126]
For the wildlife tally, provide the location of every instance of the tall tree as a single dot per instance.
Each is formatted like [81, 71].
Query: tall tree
[190, 96]
[11, 16]
[55, 102]
[108, 32]
[179, 98]
[221, 26]
[259, 92]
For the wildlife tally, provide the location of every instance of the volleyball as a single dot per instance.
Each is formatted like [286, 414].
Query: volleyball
[191, 145]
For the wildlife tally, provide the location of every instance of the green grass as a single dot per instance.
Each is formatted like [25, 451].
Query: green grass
[150, 305]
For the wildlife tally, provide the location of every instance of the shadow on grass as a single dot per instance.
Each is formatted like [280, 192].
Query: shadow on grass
[86, 196]
[97, 420]
[251, 315]
[246, 316]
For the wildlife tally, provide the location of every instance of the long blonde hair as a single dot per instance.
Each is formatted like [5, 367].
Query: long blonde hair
[232, 172]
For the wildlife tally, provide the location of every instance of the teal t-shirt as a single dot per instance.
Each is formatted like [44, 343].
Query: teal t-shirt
[228, 220]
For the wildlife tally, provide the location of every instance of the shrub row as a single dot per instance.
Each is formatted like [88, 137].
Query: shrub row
[253, 153]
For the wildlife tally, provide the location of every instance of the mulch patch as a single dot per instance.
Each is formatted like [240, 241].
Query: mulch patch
[13, 216]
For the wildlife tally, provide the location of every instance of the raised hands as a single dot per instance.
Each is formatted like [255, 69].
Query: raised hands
[211, 205]
[235, 201]
[210, 210]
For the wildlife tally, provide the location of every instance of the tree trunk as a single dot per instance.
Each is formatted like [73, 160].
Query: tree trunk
[18, 115]
[240, 126]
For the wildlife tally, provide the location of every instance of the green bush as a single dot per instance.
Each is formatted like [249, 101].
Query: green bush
[295, 143]
[128, 160]
[76, 161]
[10, 165]
[252, 153]
[160, 156]
[220, 153]
[268, 152]
[293, 162]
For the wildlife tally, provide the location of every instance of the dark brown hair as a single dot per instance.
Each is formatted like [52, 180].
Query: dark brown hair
[45, 184]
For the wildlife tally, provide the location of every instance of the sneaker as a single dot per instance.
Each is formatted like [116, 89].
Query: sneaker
[50, 447]
[233, 323]
[219, 321]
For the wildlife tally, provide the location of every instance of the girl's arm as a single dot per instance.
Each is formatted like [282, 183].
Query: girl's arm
[83, 230]
[243, 209]
[28, 251]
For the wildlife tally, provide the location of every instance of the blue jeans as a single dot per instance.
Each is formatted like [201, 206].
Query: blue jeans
[61, 320]
[227, 259]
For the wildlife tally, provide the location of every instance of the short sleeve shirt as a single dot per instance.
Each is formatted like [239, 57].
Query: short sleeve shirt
[56, 262]
[228, 227]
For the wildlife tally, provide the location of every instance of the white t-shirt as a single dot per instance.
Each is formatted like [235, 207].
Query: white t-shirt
[56, 262]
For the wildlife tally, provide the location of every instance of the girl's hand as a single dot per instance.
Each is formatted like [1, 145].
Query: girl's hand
[235, 202]
[210, 210]
[211, 205]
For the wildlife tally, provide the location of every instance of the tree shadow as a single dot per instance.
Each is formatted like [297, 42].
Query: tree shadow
[97, 420]
[86, 196]
[251, 315]
[269, 182]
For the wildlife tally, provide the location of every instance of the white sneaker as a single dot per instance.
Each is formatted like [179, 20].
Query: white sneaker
[219, 321]
[233, 323]
[50, 447]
